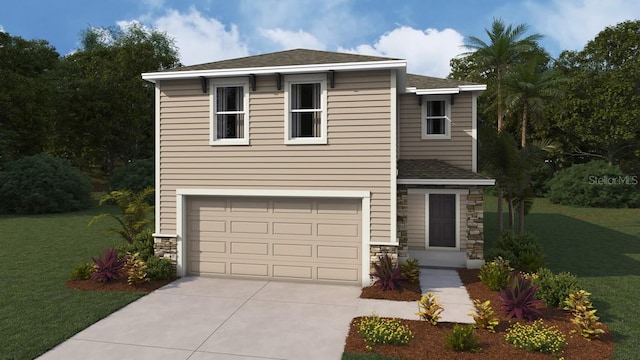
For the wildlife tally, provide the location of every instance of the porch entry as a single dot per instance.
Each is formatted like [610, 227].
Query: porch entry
[442, 220]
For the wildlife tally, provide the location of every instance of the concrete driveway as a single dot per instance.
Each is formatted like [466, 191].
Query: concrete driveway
[200, 318]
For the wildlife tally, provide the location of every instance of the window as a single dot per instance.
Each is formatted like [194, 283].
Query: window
[230, 120]
[306, 119]
[436, 118]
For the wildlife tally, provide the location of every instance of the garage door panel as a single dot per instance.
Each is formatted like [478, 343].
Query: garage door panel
[249, 248]
[279, 238]
[205, 205]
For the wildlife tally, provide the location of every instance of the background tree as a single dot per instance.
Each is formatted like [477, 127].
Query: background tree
[25, 96]
[107, 110]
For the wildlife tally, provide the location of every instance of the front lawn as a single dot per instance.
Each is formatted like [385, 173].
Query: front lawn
[601, 247]
[38, 252]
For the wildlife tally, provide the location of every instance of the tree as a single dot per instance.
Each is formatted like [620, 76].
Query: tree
[506, 48]
[25, 96]
[107, 110]
[528, 87]
[601, 114]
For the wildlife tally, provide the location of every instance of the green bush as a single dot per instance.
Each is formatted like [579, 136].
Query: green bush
[540, 176]
[159, 269]
[410, 270]
[376, 330]
[43, 184]
[135, 177]
[595, 184]
[553, 289]
[142, 244]
[462, 338]
[536, 337]
[496, 274]
[522, 250]
[82, 271]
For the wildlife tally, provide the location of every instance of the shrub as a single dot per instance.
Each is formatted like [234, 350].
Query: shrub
[110, 267]
[518, 300]
[82, 271]
[536, 337]
[136, 269]
[484, 316]
[384, 331]
[388, 275]
[135, 177]
[596, 184]
[410, 270]
[462, 338]
[135, 212]
[527, 252]
[42, 184]
[495, 253]
[159, 269]
[553, 289]
[584, 315]
[142, 244]
[429, 308]
[496, 274]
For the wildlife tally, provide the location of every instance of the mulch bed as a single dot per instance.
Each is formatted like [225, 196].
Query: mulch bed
[409, 292]
[117, 285]
[429, 341]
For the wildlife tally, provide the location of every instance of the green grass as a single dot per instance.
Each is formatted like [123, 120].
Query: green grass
[38, 252]
[601, 247]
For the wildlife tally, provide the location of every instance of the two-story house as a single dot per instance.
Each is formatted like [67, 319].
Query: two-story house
[305, 165]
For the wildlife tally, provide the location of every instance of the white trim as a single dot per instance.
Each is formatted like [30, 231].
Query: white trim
[447, 113]
[289, 69]
[464, 182]
[157, 235]
[365, 196]
[475, 87]
[437, 191]
[213, 126]
[474, 132]
[393, 159]
[157, 156]
[305, 79]
[441, 91]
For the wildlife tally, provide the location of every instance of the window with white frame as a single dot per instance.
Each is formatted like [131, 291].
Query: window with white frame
[306, 103]
[230, 119]
[436, 117]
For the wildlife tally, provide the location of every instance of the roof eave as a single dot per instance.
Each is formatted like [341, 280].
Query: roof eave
[289, 69]
[452, 90]
[463, 182]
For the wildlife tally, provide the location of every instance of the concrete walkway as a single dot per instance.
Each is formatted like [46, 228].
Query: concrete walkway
[200, 318]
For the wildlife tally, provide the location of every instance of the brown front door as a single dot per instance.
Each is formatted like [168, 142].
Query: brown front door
[442, 220]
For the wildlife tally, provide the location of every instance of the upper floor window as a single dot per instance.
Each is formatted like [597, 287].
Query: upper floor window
[230, 117]
[306, 114]
[436, 117]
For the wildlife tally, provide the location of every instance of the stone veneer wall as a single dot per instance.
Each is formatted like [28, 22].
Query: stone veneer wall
[166, 247]
[475, 225]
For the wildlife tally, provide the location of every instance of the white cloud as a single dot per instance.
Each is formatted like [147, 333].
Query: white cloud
[2, 28]
[200, 39]
[293, 39]
[572, 23]
[427, 52]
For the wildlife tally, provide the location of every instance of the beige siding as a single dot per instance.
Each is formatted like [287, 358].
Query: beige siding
[455, 151]
[416, 221]
[357, 156]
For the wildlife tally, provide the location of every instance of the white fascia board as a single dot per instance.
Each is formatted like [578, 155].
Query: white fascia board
[277, 193]
[292, 69]
[437, 91]
[478, 87]
[464, 182]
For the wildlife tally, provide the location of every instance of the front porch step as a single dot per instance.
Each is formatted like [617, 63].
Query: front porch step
[442, 259]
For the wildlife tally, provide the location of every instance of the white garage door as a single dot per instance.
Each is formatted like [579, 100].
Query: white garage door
[280, 238]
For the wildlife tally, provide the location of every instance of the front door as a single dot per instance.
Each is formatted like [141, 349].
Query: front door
[442, 220]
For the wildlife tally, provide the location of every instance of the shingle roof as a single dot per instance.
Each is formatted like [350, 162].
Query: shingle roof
[431, 169]
[285, 58]
[428, 82]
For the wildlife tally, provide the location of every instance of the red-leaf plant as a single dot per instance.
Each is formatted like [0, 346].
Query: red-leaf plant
[110, 268]
[388, 276]
[518, 300]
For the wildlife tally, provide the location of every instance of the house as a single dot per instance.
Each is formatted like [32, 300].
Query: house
[306, 165]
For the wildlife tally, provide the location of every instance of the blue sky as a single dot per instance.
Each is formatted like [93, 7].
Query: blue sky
[425, 32]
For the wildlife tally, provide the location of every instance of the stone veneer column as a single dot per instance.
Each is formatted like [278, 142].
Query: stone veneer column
[401, 223]
[166, 247]
[475, 225]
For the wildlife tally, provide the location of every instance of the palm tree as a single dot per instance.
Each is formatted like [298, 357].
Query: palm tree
[506, 48]
[528, 88]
